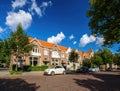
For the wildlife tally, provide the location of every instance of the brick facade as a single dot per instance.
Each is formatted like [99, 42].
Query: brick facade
[52, 54]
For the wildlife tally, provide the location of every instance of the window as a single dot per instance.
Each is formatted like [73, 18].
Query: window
[45, 52]
[36, 49]
[52, 62]
[62, 55]
[56, 62]
[55, 52]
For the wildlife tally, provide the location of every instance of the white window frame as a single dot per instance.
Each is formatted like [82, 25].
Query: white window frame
[35, 49]
[46, 52]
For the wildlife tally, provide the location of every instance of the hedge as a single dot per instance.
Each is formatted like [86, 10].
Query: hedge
[39, 68]
[27, 68]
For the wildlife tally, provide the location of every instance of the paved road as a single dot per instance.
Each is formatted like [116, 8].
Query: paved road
[102, 81]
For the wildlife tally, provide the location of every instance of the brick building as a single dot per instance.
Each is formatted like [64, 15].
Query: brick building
[49, 53]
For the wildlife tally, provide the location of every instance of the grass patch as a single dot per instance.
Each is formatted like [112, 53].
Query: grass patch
[15, 72]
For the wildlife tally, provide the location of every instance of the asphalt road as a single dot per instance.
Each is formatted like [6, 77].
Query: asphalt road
[101, 81]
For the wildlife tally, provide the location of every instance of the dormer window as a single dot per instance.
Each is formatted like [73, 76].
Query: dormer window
[36, 49]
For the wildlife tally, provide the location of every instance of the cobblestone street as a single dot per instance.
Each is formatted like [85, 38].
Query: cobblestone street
[101, 81]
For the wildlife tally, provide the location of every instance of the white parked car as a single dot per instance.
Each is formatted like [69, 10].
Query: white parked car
[94, 69]
[55, 70]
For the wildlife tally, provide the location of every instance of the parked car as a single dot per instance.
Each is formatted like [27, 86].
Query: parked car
[109, 69]
[82, 69]
[94, 69]
[55, 70]
[2, 65]
[118, 68]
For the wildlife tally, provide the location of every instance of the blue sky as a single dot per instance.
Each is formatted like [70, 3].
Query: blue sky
[62, 22]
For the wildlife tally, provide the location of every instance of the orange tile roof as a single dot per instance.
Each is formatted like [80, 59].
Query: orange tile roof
[30, 39]
[46, 44]
[62, 48]
[90, 50]
[80, 52]
[86, 54]
[51, 45]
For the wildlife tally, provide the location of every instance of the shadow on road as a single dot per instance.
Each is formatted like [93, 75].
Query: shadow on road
[103, 82]
[17, 84]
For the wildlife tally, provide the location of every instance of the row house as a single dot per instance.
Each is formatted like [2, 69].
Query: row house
[49, 53]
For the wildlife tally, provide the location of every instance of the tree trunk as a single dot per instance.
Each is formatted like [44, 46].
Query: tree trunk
[105, 66]
[16, 63]
[74, 66]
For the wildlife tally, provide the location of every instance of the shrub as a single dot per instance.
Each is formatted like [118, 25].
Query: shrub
[39, 68]
[43, 67]
[13, 67]
[35, 68]
[27, 68]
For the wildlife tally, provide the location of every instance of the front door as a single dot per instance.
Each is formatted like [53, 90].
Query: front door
[35, 61]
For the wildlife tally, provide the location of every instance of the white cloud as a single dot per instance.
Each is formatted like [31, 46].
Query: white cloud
[56, 39]
[13, 19]
[18, 3]
[35, 8]
[71, 37]
[99, 41]
[74, 42]
[86, 40]
[1, 29]
[44, 5]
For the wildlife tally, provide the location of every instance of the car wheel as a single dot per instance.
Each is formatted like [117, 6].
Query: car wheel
[64, 72]
[52, 73]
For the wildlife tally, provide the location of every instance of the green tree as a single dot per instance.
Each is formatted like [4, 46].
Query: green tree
[73, 57]
[96, 60]
[105, 20]
[87, 62]
[19, 43]
[107, 57]
[5, 52]
[1, 51]
[116, 59]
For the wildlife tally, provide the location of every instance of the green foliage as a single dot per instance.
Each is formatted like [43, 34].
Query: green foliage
[73, 57]
[13, 67]
[26, 68]
[107, 56]
[87, 62]
[105, 19]
[116, 59]
[19, 43]
[96, 60]
[15, 72]
[43, 67]
[5, 52]
[39, 68]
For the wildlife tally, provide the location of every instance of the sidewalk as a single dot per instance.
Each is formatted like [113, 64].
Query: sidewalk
[4, 73]
[31, 73]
